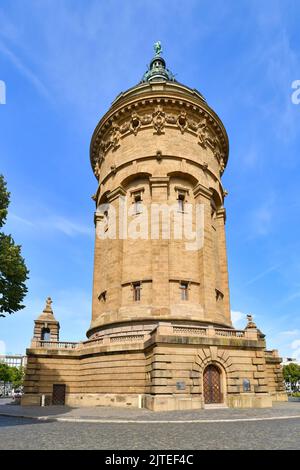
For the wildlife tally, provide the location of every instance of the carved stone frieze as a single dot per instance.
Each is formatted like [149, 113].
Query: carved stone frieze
[135, 123]
[158, 120]
[205, 131]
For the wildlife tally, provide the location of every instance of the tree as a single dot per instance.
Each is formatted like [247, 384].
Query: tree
[13, 271]
[5, 374]
[16, 376]
[11, 375]
[291, 374]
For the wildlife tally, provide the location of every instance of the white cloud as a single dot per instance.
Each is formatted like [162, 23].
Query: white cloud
[296, 354]
[238, 318]
[66, 226]
[262, 219]
[295, 344]
[290, 333]
[262, 274]
[24, 70]
[54, 222]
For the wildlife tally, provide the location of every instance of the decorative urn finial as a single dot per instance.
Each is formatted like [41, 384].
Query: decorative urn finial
[250, 323]
[48, 307]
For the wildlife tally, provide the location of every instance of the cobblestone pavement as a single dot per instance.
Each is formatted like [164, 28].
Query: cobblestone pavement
[23, 433]
[133, 414]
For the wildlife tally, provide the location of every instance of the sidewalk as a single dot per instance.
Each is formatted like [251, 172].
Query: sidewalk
[284, 410]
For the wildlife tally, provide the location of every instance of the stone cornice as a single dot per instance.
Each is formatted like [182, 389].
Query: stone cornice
[203, 191]
[159, 181]
[190, 114]
[119, 191]
[221, 214]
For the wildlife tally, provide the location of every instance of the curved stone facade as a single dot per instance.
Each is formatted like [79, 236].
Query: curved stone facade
[161, 335]
[160, 140]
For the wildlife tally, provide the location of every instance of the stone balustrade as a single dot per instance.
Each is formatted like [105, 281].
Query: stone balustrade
[161, 328]
[54, 344]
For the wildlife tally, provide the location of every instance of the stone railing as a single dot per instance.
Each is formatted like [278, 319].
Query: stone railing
[231, 333]
[128, 339]
[55, 344]
[163, 328]
[207, 331]
[189, 331]
[92, 342]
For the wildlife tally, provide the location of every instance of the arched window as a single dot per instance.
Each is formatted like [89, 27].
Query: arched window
[45, 334]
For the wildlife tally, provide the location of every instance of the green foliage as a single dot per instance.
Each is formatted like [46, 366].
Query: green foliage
[291, 374]
[16, 376]
[4, 200]
[13, 271]
[4, 373]
[10, 374]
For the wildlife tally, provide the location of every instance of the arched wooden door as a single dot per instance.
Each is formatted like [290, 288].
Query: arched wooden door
[212, 385]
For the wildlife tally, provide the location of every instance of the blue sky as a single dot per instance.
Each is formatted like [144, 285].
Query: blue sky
[64, 61]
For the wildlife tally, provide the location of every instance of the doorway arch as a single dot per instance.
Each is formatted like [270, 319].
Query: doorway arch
[212, 385]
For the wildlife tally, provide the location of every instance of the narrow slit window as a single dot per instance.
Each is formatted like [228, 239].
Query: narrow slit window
[102, 296]
[181, 200]
[137, 291]
[184, 290]
[137, 203]
[106, 220]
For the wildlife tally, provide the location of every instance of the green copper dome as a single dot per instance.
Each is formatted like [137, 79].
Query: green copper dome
[157, 70]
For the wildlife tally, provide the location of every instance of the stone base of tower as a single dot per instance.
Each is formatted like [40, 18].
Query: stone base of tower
[173, 367]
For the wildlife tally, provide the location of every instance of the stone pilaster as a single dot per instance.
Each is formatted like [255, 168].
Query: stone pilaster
[222, 262]
[206, 255]
[159, 187]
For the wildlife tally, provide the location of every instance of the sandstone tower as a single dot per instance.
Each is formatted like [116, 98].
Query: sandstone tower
[161, 334]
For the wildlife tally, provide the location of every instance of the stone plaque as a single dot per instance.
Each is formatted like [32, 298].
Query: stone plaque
[180, 385]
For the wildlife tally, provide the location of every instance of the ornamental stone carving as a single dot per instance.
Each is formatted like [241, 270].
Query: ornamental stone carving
[114, 136]
[158, 120]
[205, 130]
[135, 123]
[182, 121]
[203, 133]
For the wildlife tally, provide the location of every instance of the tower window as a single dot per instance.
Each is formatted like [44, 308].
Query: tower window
[137, 199]
[182, 194]
[184, 290]
[137, 203]
[137, 291]
[45, 334]
[219, 296]
[181, 200]
[102, 296]
[106, 220]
